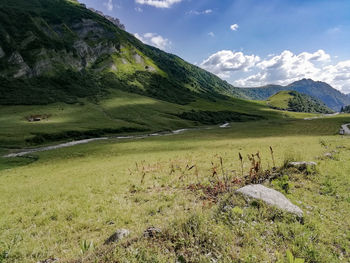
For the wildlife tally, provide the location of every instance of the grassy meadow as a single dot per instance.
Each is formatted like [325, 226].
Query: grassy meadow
[65, 203]
[117, 113]
[280, 100]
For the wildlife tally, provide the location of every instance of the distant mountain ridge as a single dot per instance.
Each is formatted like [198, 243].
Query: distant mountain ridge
[333, 98]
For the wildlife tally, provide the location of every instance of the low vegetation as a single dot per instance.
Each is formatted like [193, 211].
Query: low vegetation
[81, 195]
[217, 117]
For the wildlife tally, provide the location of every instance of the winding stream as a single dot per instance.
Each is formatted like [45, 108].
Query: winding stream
[72, 143]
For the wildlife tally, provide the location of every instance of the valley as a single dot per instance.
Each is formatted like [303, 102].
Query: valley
[113, 150]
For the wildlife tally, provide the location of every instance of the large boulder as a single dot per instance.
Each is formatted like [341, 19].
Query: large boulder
[270, 197]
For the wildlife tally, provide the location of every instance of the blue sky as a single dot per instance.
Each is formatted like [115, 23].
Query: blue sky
[246, 42]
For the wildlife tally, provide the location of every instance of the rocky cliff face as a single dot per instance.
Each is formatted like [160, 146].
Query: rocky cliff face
[90, 41]
[114, 20]
[63, 50]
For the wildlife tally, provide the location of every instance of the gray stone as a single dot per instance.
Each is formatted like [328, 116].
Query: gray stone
[328, 155]
[270, 197]
[16, 59]
[24, 70]
[2, 53]
[302, 165]
[138, 59]
[49, 260]
[150, 68]
[151, 232]
[117, 236]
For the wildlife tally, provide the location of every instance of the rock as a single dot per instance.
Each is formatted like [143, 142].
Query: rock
[301, 165]
[82, 48]
[271, 197]
[23, 69]
[87, 27]
[328, 155]
[2, 53]
[138, 59]
[151, 232]
[49, 260]
[114, 67]
[16, 59]
[42, 66]
[117, 236]
[114, 20]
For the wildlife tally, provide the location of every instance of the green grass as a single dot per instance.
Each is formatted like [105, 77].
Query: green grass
[118, 110]
[280, 100]
[86, 192]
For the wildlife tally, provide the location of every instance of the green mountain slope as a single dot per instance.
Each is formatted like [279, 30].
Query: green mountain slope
[295, 101]
[83, 77]
[333, 98]
[60, 51]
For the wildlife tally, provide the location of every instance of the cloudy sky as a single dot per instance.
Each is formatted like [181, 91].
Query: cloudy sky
[246, 42]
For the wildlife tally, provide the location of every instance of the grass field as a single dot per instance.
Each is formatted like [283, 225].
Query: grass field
[118, 111]
[52, 205]
[280, 100]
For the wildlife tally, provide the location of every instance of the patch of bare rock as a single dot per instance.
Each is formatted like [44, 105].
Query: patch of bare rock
[270, 197]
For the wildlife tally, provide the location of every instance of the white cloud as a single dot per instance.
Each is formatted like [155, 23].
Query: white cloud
[287, 67]
[234, 27]
[154, 40]
[158, 3]
[204, 12]
[224, 62]
[280, 69]
[109, 5]
[211, 34]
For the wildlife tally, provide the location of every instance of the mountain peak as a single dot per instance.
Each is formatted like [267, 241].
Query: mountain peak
[309, 82]
[304, 81]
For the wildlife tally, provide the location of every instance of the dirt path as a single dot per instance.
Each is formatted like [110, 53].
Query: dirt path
[131, 137]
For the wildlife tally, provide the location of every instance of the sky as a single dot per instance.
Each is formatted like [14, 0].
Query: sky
[249, 43]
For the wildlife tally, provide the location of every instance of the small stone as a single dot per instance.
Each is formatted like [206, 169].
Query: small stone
[151, 232]
[49, 260]
[270, 197]
[328, 155]
[2, 53]
[117, 236]
[301, 165]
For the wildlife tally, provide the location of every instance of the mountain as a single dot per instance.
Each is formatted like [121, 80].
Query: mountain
[295, 101]
[333, 98]
[61, 51]
[68, 72]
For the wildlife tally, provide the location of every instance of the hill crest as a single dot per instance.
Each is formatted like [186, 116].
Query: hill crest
[322, 91]
[297, 102]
